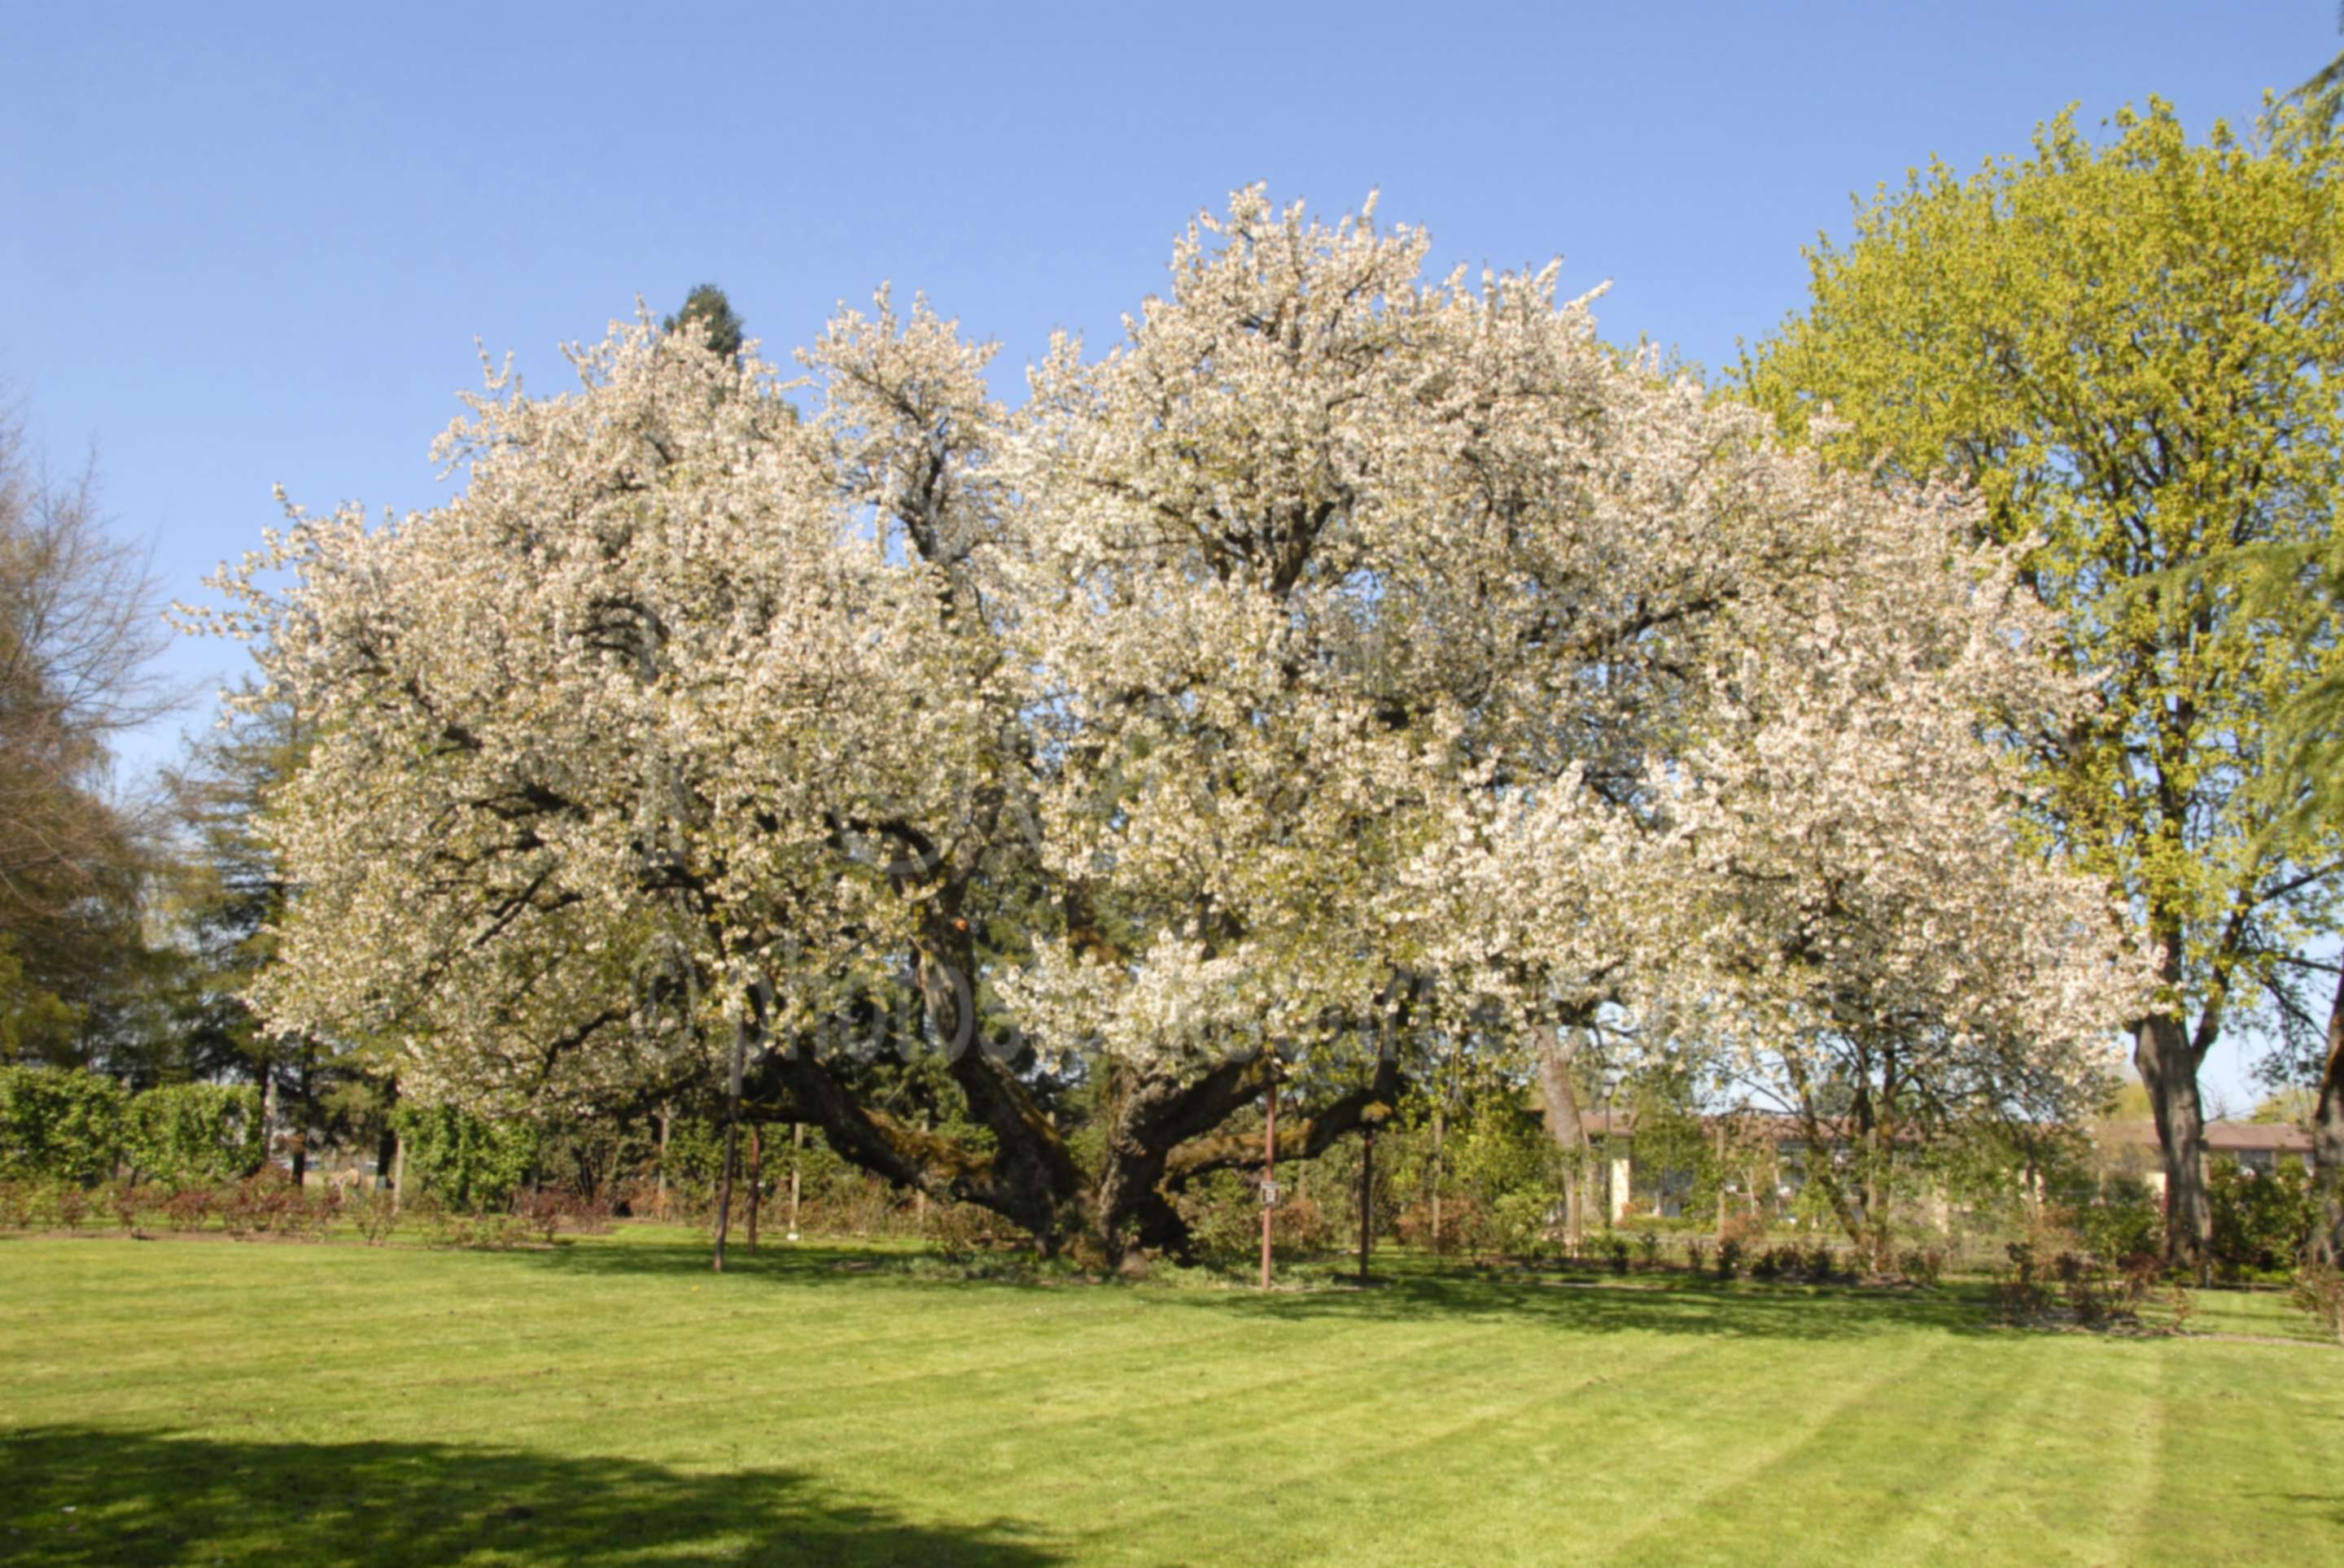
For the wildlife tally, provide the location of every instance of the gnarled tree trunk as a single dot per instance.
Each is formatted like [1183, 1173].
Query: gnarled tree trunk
[1304, 1133]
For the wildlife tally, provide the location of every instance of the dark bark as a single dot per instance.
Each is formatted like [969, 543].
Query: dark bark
[301, 1098]
[2328, 1142]
[794, 1085]
[1031, 1165]
[1153, 1115]
[1162, 1135]
[1302, 1135]
[2168, 1061]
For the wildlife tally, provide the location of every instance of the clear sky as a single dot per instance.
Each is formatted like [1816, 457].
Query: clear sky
[245, 245]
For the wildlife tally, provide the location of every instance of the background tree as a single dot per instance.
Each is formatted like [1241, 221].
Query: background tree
[2304, 794]
[230, 900]
[2321, 102]
[2131, 351]
[707, 309]
[79, 628]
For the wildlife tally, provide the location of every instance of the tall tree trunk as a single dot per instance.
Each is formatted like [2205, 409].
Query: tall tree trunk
[1366, 1197]
[398, 1175]
[2328, 1142]
[301, 1101]
[2169, 1069]
[1822, 1168]
[731, 1138]
[1440, 1138]
[1879, 1226]
[1564, 1124]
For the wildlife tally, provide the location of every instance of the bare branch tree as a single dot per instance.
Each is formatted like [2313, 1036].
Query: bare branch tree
[80, 627]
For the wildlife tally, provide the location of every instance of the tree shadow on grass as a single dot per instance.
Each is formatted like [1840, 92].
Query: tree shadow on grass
[1571, 1301]
[82, 1495]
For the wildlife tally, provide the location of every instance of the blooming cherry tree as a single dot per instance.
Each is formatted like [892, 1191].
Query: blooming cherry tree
[1344, 653]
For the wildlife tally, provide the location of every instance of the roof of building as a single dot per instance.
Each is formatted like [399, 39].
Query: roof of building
[1774, 1127]
[2221, 1137]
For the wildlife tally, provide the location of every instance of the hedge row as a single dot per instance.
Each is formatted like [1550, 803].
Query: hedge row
[75, 1126]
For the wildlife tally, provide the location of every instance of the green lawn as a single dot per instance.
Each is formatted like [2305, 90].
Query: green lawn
[610, 1402]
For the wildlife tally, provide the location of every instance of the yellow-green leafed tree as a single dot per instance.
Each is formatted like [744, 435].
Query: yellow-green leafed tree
[2134, 349]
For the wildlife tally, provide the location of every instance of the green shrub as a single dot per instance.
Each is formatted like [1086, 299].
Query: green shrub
[195, 1134]
[1459, 1215]
[1224, 1217]
[58, 1125]
[1501, 1160]
[2261, 1220]
[1922, 1265]
[2122, 1222]
[467, 1163]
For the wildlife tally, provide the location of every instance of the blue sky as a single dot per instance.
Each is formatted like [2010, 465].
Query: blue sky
[246, 245]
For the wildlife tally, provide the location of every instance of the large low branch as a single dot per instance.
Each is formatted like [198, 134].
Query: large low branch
[1300, 1137]
[1155, 1112]
[1032, 1169]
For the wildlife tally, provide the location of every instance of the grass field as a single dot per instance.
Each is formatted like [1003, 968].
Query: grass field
[610, 1402]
